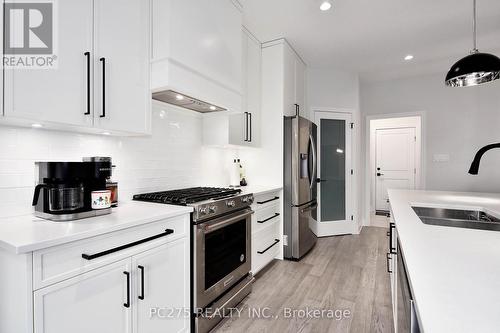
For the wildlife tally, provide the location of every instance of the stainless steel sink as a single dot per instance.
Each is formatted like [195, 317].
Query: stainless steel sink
[471, 219]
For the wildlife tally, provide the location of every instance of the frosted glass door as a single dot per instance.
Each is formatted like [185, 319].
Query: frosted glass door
[333, 169]
[334, 175]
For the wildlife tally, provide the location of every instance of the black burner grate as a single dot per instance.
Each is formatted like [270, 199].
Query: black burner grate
[188, 195]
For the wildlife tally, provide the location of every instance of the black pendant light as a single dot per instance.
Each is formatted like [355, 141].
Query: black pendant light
[476, 68]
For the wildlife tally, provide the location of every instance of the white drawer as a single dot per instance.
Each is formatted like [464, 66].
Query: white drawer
[264, 217]
[266, 199]
[62, 262]
[265, 246]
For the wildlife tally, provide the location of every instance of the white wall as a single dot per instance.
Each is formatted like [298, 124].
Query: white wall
[330, 88]
[173, 157]
[457, 121]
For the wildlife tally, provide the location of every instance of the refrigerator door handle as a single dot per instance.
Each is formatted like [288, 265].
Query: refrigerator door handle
[314, 171]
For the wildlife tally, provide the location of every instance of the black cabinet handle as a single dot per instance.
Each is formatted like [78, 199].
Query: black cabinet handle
[127, 304]
[276, 241]
[379, 174]
[246, 127]
[141, 296]
[392, 249]
[250, 130]
[103, 114]
[269, 218]
[263, 202]
[297, 110]
[87, 55]
[122, 247]
[388, 265]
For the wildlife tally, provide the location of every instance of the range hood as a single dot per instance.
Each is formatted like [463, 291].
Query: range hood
[184, 101]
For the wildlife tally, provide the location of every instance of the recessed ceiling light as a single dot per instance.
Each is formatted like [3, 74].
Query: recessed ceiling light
[106, 133]
[179, 97]
[36, 125]
[213, 108]
[325, 5]
[408, 57]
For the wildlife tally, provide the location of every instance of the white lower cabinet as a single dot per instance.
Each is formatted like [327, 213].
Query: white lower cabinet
[267, 230]
[162, 289]
[91, 302]
[135, 280]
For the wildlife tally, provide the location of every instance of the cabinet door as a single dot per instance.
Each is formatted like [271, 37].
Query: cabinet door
[300, 86]
[253, 86]
[91, 302]
[162, 289]
[122, 89]
[57, 95]
[289, 81]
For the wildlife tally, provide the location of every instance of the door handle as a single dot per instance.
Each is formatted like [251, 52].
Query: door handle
[319, 180]
[141, 296]
[246, 127]
[379, 174]
[103, 61]
[87, 55]
[250, 126]
[127, 303]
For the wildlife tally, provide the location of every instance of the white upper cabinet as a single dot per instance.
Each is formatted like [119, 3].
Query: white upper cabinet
[197, 50]
[92, 36]
[241, 128]
[122, 65]
[294, 82]
[61, 95]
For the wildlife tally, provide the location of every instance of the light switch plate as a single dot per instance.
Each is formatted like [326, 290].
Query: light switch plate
[441, 158]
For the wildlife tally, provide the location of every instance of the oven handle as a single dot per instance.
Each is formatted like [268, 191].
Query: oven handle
[218, 225]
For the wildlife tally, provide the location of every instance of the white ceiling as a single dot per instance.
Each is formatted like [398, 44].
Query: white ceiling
[371, 37]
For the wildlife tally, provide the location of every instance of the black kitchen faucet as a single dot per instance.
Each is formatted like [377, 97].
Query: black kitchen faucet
[474, 167]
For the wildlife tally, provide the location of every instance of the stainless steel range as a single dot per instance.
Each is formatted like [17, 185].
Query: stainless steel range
[221, 249]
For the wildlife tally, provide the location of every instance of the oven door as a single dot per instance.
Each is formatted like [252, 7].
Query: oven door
[222, 254]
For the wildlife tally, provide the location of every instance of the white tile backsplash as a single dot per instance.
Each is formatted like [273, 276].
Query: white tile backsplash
[173, 157]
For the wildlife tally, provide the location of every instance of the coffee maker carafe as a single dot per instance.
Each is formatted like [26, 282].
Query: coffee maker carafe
[64, 189]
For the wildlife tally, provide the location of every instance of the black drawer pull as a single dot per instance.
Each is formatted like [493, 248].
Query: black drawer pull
[263, 202]
[122, 247]
[141, 296]
[276, 241]
[269, 218]
[392, 249]
[388, 265]
[127, 304]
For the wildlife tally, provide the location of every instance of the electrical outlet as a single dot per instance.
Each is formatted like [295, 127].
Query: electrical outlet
[285, 240]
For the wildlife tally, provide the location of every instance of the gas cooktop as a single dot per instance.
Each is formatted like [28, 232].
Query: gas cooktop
[188, 195]
[208, 202]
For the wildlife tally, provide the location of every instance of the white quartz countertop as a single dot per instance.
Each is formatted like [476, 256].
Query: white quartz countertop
[259, 189]
[454, 272]
[28, 233]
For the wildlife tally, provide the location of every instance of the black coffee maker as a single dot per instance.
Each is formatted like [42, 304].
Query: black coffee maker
[64, 190]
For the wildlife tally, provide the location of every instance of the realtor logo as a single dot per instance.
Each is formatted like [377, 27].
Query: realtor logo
[29, 34]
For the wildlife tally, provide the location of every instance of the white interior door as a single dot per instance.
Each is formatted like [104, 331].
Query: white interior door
[395, 163]
[334, 175]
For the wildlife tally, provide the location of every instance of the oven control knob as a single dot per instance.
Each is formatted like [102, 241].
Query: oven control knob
[212, 209]
[230, 203]
[202, 210]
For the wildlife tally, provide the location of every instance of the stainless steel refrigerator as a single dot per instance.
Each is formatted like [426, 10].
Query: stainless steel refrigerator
[300, 205]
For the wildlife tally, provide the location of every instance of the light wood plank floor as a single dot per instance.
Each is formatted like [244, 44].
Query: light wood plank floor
[340, 273]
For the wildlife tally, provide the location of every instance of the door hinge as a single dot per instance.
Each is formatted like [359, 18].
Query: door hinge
[352, 217]
[415, 138]
[352, 172]
[415, 171]
[352, 125]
